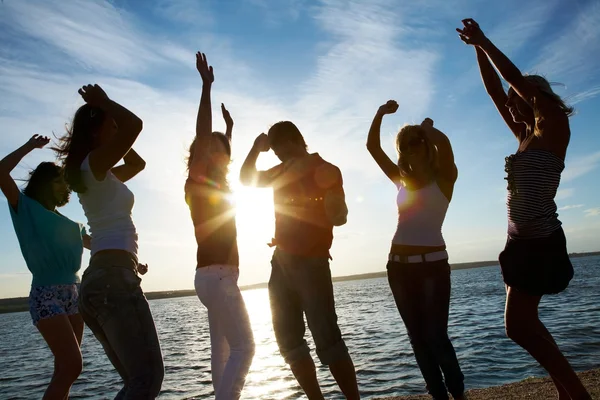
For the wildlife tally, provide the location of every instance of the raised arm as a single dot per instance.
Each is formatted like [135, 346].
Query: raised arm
[473, 35]
[8, 163]
[129, 126]
[249, 175]
[447, 168]
[228, 122]
[204, 119]
[133, 165]
[389, 167]
[493, 87]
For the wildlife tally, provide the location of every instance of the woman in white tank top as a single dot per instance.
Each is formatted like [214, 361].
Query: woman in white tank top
[418, 269]
[111, 300]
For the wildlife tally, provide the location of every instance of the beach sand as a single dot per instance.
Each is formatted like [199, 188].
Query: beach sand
[528, 389]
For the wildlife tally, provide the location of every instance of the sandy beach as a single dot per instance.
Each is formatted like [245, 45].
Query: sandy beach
[530, 389]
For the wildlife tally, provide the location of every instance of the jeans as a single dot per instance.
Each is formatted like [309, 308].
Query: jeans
[422, 295]
[115, 309]
[231, 338]
[302, 285]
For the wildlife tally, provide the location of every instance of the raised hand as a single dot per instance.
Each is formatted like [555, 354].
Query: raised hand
[427, 122]
[388, 108]
[93, 95]
[226, 116]
[261, 143]
[38, 142]
[471, 33]
[205, 70]
[142, 268]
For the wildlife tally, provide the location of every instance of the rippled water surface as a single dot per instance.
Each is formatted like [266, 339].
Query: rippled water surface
[369, 321]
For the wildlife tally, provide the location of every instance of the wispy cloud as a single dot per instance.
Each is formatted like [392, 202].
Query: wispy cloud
[592, 212]
[193, 12]
[584, 95]
[278, 11]
[562, 194]
[570, 207]
[581, 166]
[576, 51]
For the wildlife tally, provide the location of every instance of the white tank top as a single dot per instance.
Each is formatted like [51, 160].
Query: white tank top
[107, 205]
[421, 214]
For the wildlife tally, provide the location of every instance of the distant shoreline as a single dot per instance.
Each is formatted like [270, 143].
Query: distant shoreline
[20, 304]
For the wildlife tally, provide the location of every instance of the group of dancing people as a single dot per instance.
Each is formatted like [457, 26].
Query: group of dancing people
[309, 202]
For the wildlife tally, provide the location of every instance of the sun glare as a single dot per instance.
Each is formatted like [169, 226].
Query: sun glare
[254, 213]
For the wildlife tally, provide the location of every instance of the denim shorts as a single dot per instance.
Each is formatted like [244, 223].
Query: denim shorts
[49, 301]
[302, 286]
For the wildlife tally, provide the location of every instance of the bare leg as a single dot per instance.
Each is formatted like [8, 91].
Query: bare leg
[306, 374]
[64, 344]
[345, 375]
[524, 327]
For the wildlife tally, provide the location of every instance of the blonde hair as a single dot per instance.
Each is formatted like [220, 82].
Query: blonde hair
[411, 131]
[545, 87]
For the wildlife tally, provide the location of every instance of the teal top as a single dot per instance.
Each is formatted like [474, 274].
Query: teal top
[51, 243]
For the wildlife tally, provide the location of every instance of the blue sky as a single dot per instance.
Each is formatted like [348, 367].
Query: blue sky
[327, 65]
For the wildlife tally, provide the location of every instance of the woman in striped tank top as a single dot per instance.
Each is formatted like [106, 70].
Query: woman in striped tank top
[535, 260]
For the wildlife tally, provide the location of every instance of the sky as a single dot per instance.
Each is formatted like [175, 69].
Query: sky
[326, 65]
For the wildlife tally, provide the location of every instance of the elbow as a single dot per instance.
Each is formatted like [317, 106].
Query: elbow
[142, 165]
[137, 125]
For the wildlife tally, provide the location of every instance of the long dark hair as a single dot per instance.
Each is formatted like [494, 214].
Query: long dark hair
[39, 184]
[215, 174]
[76, 144]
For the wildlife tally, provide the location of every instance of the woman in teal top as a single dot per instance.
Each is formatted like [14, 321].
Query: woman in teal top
[52, 246]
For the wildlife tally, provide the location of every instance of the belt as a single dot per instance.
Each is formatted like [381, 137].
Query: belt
[419, 258]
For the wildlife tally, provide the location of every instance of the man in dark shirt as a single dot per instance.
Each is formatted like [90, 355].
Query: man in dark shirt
[309, 202]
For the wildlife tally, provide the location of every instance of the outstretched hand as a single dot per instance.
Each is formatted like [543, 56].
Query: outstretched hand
[38, 141]
[471, 33]
[388, 108]
[205, 70]
[93, 95]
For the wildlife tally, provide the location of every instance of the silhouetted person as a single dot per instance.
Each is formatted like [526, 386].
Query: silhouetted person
[418, 269]
[217, 270]
[309, 202]
[112, 303]
[52, 246]
[535, 260]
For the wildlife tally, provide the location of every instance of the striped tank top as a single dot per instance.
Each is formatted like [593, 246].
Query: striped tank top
[533, 177]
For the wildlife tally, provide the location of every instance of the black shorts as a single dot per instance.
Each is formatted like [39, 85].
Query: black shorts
[537, 266]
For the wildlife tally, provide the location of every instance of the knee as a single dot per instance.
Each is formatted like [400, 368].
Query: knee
[517, 330]
[69, 367]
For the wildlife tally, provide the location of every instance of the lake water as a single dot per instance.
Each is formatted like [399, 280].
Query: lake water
[369, 321]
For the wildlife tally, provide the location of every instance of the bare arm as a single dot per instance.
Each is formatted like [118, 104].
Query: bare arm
[447, 167]
[374, 143]
[133, 165]
[87, 241]
[228, 122]
[249, 175]
[8, 163]
[493, 87]
[129, 126]
[473, 35]
[203, 119]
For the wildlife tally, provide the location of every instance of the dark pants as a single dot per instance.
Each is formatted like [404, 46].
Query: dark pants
[115, 309]
[302, 285]
[422, 295]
